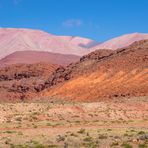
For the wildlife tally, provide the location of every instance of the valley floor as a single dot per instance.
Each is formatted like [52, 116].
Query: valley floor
[112, 123]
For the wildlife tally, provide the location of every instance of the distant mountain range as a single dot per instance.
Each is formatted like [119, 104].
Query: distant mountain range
[121, 41]
[12, 40]
[34, 46]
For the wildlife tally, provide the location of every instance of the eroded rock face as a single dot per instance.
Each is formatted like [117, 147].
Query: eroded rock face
[97, 55]
[23, 80]
[19, 88]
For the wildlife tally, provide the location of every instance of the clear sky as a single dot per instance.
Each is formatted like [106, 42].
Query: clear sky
[95, 19]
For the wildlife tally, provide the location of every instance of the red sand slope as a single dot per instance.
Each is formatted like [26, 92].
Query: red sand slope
[31, 57]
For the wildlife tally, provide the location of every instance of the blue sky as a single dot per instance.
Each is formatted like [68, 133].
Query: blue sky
[95, 19]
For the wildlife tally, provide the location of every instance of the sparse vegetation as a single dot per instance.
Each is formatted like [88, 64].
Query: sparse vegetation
[56, 125]
[141, 133]
[143, 145]
[81, 131]
[102, 137]
[126, 145]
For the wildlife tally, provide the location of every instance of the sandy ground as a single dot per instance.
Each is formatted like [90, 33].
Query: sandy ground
[114, 123]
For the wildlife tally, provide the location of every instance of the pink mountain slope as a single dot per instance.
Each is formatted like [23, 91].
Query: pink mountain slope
[79, 41]
[121, 41]
[31, 57]
[12, 40]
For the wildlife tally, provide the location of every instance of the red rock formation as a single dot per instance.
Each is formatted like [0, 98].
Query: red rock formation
[104, 74]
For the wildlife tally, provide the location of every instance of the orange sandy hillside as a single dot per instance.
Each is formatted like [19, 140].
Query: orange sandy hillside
[104, 74]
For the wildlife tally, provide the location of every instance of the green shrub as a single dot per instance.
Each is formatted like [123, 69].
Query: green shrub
[143, 146]
[102, 137]
[18, 119]
[81, 131]
[114, 144]
[126, 145]
[87, 139]
[141, 133]
[10, 132]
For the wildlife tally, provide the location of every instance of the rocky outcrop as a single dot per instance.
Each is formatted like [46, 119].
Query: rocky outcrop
[104, 74]
[24, 81]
